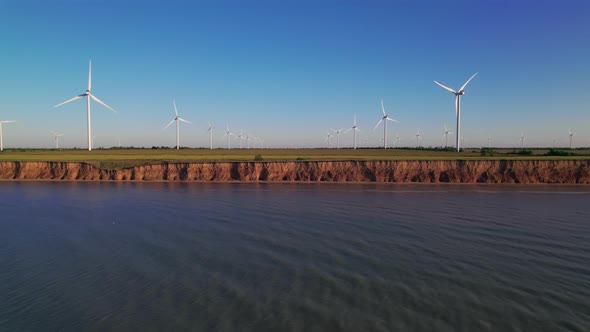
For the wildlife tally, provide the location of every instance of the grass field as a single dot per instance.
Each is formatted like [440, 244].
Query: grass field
[121, 158]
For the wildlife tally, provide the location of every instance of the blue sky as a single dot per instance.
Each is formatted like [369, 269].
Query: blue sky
[289, 70]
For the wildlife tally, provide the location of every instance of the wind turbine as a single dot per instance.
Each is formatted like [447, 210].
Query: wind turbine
[210, 130]
[328, 140]
[88, 96]
[56, 137]
[457, 105]
[241, 137]
[176, 119]
[354, 129]
[229, 134]
[446, 136]
[397, 139]
[384, 119]
[337, 132]
[554, 139]
[1, 142]
[571, 137]
[489, 139]
[522, 140]
[418, 138]
[248, 138]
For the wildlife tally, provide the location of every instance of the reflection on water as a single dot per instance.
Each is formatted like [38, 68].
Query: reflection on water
[293, 257]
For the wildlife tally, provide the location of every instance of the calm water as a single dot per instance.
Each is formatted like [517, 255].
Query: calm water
[293, 257]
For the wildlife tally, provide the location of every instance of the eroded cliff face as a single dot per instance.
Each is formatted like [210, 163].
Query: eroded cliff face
[455, 171]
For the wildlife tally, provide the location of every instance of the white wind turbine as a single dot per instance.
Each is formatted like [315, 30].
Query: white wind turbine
[446, 136]
[457, 105]
[384, 119]
[241, 137]
[176, 119]
[337, 132]
[397, 139]
[489, 139]
[522, 140]
[210, 130]
[328, 140]
[229, 134]
[56, 137]
[554, 140]
[418, 138]
[248, 138]
[571, 134]
[1, 142]
[354, 129]
[88, 96]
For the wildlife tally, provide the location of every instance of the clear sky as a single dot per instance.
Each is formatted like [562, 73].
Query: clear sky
[289, 70]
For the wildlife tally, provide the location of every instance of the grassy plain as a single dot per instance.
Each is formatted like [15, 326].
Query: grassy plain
[121, 158]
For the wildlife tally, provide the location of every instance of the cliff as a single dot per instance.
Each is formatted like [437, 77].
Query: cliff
[454, 171]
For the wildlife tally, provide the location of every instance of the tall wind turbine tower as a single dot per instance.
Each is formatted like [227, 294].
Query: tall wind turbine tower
[88, 96]
[176, 119]
[458, 95]
[1, 142]
[384, 119]
[571, 137]
[522, 140]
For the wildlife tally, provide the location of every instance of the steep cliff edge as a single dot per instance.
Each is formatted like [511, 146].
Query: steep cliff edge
[455, 171]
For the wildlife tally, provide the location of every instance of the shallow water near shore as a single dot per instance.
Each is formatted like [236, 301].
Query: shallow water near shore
[293, 257]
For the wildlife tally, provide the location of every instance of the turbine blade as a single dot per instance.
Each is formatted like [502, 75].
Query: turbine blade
[357, 130]
[378, 123]
[347, 130]
[168, 125]
[383, 108]
[100, 102]
[90, 75]
[175, 111]
[464, 85]
[69, 100]
[183, 120]
[446, 87]
[392, 119]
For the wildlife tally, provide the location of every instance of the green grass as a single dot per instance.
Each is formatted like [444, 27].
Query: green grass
[124, 158]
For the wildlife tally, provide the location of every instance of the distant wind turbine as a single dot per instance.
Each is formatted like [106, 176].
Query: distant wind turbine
[522, 140]
[489, 139]
[571, 137]
[397, 139]
[229, 134]
[241, 137]
[56, 137]
[384, 119]
[210, 130]
[328, 140]
[354, 129]
[88, 96]
[1, 142]
[457, 105]
[554, 140]
[418, 138]
[337, 132]
[446, 136]
[176, 119]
